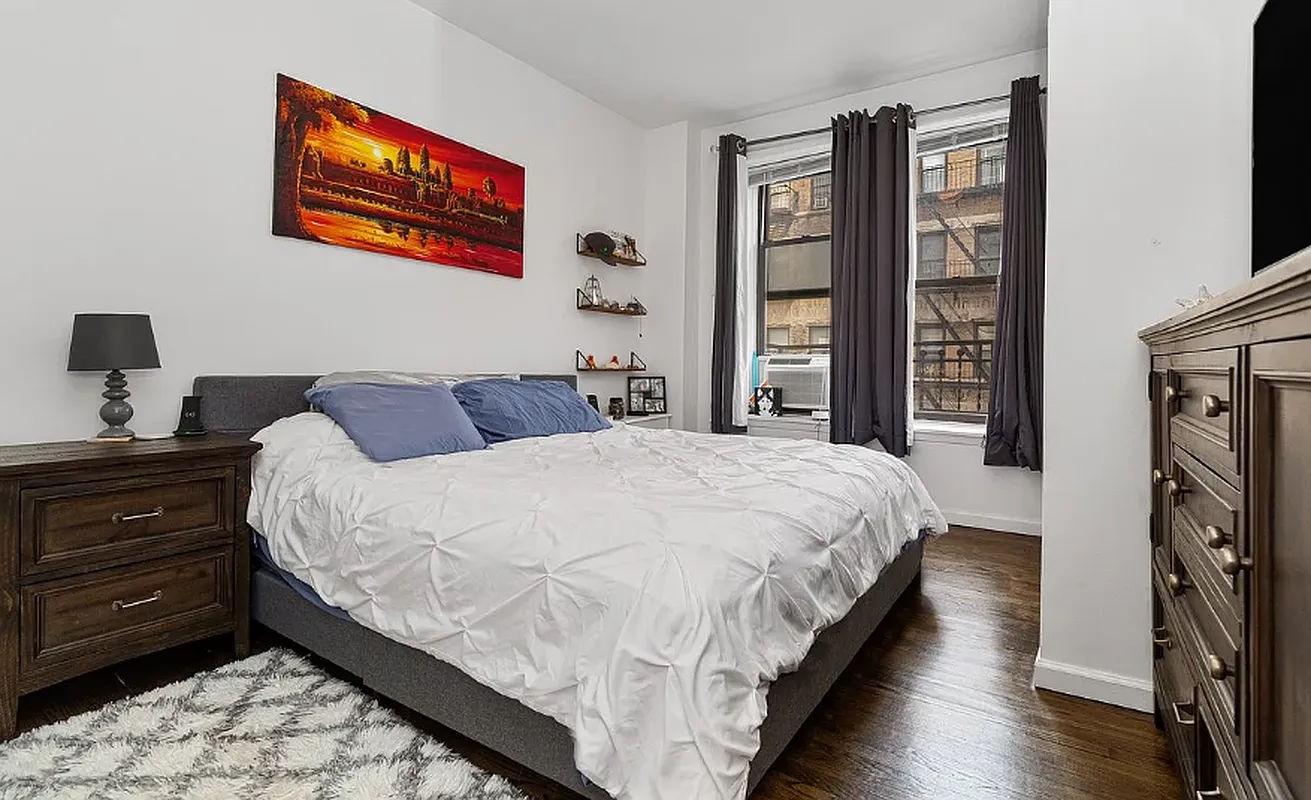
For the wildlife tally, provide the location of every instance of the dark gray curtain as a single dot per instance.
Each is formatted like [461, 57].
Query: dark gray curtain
[731, 148]
[871, 271]
[1014, 436]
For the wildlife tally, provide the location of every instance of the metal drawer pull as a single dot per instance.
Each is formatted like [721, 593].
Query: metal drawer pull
[1161, 638]
[119, 517]
[1172, 394]
[1216, 667]
[1179, 717]
[1177, 583]
[1213, 406]
[1176, 488]
[1231, 563]
[1215, 537]
[1210, 794]
[1158, 477]
[119, 605]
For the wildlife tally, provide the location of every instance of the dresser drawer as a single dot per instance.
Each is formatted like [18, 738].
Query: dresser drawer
[1208, 512]
[99, 619]
[1209, 631]
[97, 524]
[1218, 772]
[1174, 683]
[1203, 396]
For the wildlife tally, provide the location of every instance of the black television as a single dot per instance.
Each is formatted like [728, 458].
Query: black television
[1281, 129]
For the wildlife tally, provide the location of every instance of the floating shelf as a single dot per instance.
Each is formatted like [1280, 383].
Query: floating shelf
[620, 311]
[584, 250]
[635, 364]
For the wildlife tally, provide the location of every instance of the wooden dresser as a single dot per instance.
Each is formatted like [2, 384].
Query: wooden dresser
[111, 551]
[1230, 389]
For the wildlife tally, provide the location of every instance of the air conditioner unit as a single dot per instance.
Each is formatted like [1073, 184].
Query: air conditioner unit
[803, 378]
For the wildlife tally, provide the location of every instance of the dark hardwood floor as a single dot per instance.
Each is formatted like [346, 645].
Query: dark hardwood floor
[938, 704]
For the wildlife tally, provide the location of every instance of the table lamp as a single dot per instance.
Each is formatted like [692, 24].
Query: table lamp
[113, 343]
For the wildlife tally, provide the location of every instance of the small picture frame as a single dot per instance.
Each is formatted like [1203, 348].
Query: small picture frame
[767, 401]
[646, 396]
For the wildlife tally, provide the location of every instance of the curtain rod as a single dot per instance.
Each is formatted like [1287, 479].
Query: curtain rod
[783, 137]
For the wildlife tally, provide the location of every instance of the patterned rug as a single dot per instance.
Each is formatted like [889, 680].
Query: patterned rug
[272, 726]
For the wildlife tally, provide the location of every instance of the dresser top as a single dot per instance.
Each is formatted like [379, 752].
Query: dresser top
[29, 459]
[1267, 307]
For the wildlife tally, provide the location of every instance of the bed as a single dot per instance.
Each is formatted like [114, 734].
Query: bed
[597, 630]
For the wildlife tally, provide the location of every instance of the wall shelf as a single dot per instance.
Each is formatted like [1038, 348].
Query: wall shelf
[584, 250]
[632, 309]
[635, 364]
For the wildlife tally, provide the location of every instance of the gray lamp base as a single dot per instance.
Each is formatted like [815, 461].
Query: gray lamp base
[116, 411]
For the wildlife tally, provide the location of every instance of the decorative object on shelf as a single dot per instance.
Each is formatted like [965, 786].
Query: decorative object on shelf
[432, 198]
[616, 408]
[625, 246]
[633, 308]
[112, 343]
[189, 420]
[592, 401]
[587, 363]
[601, 245]
[767, 402]
[591, 292]
[646, 396]
[1203, 294]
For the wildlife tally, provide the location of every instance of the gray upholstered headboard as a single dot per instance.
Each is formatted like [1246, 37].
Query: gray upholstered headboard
[247, 403]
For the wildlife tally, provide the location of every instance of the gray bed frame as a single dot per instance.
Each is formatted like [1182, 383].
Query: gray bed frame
[440, 692]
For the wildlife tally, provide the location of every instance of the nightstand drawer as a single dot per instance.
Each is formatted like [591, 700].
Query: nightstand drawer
[111, 522]
[103, 618]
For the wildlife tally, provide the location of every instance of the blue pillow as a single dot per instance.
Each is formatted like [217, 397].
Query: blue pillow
[392, 422]
[504, 410]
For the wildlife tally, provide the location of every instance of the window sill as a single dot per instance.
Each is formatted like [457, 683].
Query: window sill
[963, 433]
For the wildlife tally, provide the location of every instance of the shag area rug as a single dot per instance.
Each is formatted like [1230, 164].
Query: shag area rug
[272, 726]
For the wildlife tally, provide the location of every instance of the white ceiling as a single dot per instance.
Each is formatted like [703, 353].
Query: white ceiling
[662, 61]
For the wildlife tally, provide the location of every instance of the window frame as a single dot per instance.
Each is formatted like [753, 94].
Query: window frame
[919, 254]
[763, 245]
[977, 231]
[979, 164]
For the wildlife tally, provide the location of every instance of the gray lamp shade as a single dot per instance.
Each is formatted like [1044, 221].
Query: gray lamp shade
[104, 342]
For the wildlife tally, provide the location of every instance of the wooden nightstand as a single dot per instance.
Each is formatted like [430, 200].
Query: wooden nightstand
[112, 551]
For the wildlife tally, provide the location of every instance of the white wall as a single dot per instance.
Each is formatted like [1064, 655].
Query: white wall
[139, 147]
[952, 467]
[1149, 148]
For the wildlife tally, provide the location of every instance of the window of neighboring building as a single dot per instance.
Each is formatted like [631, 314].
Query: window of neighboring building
[933, 173]
[820, 335]
[992, 164]
[987, 245]
[794, 263]
[932, 256]
[956, 283]
[821, 191]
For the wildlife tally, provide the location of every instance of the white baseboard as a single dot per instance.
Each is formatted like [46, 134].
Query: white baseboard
[1093, 684]
[1003, 524]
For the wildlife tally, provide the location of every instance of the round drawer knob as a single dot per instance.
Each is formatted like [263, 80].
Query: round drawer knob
[1176, 583]
[1213, 406]
[1175, 488]
[1216, 667]
[1231, 563]
[1158, 477]
[1215, 537]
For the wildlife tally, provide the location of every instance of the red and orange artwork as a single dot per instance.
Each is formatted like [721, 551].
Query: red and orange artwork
[347, 175]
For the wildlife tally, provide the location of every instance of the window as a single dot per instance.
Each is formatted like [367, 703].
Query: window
[821, 191]
[992, 164]
[987, 245]
[794, 263]
[933, 173]
[933, 256]
[959, 246]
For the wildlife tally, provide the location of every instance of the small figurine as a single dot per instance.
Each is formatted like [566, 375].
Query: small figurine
[613, 363]
[591, 362]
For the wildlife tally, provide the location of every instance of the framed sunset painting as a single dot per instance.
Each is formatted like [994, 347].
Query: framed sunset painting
[347, 175]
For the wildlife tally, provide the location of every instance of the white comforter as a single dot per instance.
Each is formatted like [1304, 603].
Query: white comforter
[641, 587]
